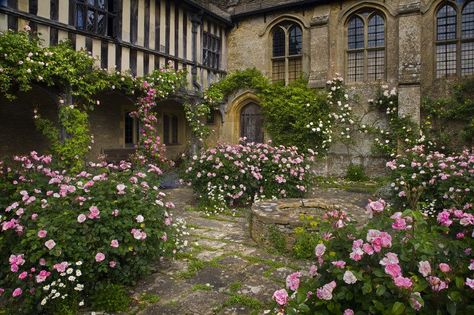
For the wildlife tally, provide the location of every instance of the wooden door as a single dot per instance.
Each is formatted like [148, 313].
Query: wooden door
[251, 123]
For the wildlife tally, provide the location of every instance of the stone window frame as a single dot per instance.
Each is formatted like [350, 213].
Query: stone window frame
[365, 14]
[297, 59]
[459, 42]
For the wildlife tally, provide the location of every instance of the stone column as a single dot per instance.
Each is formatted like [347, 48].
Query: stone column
[319, 50]
[409, 61]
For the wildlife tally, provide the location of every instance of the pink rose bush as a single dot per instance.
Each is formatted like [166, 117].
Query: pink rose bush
[75, 232]
[444, 181]
[402, 261]
[237, 174]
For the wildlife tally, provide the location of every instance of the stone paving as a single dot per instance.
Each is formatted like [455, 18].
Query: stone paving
[222, 271]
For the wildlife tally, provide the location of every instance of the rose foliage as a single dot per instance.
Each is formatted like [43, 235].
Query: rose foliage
[64, 236]
[237, 174]
[400, 262]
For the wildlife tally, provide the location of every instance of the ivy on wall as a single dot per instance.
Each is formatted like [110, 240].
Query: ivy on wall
[73, 75]
[450, 120]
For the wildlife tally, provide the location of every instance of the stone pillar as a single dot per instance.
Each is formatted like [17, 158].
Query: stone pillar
[409, 61]
[319, 50]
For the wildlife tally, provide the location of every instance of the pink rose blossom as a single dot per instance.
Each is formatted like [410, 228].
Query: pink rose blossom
[81, 218]
[403, 282]
[50, 244]
[281, 297]
[112, 264]
[339, 264]
[470, 283]
[349, 277]
[61, 267]
[348, 311]
[42, 276]
[17, 292]
[375, 206]
[424, 268]
[42, 233]
[94, 213]
[394, 270]
[444, 267]
[356, 254]
[325, 292]
[443, 218]
[114, 243]
[99, 257]
[23, 275]
[121, 189]
[437, 284]
[293, 281]
[368, 249]
[313, 271]
[319, 250]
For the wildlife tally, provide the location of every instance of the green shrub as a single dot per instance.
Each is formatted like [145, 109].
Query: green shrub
[111, 298]
[356, 173]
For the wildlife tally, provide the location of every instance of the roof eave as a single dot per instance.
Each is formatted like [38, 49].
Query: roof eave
[274, 8]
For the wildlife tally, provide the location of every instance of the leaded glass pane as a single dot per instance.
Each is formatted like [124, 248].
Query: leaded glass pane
[446, 23]
[376, 31]
[101, 25]
[468, 20]
[376, 65]
[355, 66]
[90, 21]
[467, 58]
[278, 70]
[295, 40]
[294, 68]
[445, 60]
[278, 42]
[355, 37]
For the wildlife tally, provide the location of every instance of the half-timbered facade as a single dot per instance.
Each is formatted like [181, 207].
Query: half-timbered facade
[123, 35]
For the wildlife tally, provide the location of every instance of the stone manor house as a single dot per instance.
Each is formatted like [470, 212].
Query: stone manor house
[417, 46]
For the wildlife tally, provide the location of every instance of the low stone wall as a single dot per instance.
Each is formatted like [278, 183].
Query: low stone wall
[270, 219]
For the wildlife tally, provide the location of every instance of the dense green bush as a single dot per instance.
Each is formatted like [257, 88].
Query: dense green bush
[236, 174]
[63, 234]
[356, 173]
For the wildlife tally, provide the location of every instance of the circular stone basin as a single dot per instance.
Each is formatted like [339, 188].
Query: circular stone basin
[277, 219]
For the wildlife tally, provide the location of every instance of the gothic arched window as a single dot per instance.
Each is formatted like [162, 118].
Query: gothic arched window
[287, 52]
[366, 47]
[455, 39]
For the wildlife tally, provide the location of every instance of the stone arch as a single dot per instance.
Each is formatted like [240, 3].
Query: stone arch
[284, 17]
[231, 126]
[384, 8]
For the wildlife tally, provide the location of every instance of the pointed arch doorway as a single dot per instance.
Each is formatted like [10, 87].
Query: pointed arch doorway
[251, 123]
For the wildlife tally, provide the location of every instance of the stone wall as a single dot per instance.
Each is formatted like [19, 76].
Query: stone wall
[410, 58]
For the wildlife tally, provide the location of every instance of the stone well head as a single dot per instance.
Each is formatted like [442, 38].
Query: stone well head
[283, 215]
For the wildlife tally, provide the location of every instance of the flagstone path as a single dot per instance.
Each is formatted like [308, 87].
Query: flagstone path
[222, 271]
